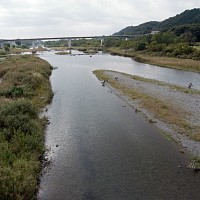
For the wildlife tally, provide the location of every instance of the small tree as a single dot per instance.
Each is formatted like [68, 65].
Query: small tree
[141, 46]
[7, 48]
[18, 42]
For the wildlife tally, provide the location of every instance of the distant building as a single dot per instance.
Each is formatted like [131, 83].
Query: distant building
[154, 32]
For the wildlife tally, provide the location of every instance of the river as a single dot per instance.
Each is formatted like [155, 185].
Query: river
[99, 148]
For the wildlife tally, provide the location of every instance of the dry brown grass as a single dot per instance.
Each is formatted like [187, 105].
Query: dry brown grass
[29, 73]
[19, 50]
[170, 62]
[177, 63]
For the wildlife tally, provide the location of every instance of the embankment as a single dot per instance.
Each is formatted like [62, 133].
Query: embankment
[162, 61]
[25, 90]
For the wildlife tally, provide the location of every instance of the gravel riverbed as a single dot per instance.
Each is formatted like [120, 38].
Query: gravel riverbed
[188, 103]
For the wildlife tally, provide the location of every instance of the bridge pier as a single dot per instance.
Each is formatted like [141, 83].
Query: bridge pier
[34, 51]
[70, 45]
[1, 45]
[102, 40]
[33, 45]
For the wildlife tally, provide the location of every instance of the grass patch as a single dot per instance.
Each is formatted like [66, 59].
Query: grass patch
[162, 110]
[59, 48]
[88, 49]
[24, 91]
[62, 53]
[195, 164]
[20, 50]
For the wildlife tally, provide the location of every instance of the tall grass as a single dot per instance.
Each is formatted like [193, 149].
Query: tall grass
[24, 90]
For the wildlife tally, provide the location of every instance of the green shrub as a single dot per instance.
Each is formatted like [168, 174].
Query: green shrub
[17, 92]
[32, 82]
[19, 115]
[7, 48]
[21, 130]
[6, 155]
[157, 47]
[13, 92]
[24, 144]
[182, 49]
[22, 107]
[3, 53]
[140, 46]
[21, 146]
[18, 181]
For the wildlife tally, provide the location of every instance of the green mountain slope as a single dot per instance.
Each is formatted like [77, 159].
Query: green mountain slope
[188, 17]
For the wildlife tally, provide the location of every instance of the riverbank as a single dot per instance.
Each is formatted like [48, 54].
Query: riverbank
[169, 62]
[20, 50]
[175, 110]
[25, 90]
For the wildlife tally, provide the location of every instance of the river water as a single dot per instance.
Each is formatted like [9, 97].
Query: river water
[100, 149]
[130, 66]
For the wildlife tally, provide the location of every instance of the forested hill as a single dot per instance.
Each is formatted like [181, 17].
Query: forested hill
[188, 17]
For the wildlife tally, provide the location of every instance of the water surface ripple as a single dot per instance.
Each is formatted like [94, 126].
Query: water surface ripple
[106, 151]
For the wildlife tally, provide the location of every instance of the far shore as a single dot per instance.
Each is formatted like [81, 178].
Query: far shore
[162, 61]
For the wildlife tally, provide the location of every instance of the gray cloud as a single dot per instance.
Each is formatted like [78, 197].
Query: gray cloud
[28, 18]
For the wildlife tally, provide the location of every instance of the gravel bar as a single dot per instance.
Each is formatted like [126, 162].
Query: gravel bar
[187, 102]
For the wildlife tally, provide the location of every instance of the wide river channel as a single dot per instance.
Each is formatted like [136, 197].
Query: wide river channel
[99, 148]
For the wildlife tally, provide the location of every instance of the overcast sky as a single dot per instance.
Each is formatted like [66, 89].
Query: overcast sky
[53, 18]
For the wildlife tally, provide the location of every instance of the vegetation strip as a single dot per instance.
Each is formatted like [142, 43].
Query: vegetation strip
[161, 109]
[25, 90]
[162, 61]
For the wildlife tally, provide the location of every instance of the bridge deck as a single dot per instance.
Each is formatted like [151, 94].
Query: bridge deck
[69, 38]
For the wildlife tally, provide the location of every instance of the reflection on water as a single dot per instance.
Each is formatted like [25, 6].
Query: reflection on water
[100, 148]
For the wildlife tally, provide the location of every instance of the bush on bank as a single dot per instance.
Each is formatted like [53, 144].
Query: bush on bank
[25, 79]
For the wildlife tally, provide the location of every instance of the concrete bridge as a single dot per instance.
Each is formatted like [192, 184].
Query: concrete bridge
[69, 38]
